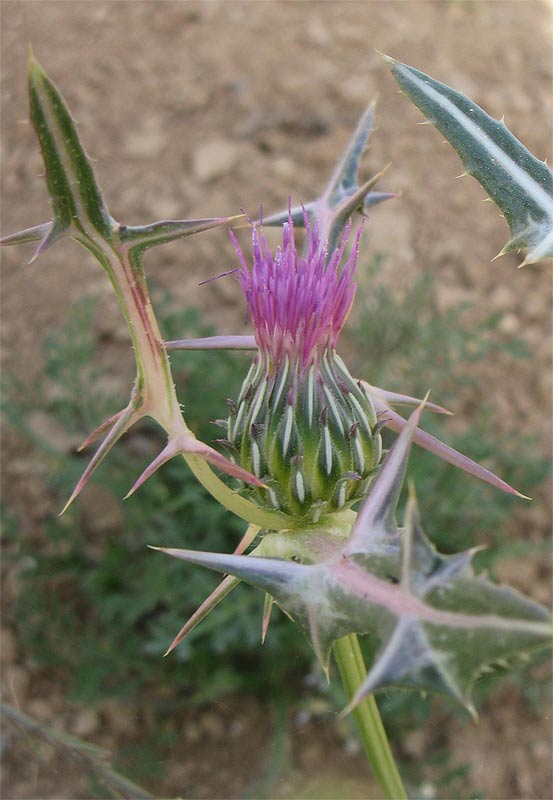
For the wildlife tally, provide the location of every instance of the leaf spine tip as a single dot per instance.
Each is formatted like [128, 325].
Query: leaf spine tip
[386, 58]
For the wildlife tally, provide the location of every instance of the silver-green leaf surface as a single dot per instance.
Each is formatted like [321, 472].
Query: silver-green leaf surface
[518, 182]
[433, 623]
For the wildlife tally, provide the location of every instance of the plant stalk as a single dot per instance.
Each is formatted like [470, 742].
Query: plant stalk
[367, 717]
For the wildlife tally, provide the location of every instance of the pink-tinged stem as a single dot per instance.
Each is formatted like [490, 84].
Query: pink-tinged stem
[154, 384]
[154, 392]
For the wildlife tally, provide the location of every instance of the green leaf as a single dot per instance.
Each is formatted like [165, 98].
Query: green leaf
[76, 197]
[520, 184]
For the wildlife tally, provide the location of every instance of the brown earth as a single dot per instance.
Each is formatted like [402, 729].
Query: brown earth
[197, 109]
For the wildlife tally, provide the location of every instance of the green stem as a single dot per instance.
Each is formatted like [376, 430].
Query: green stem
[373, 736]
[254, 515]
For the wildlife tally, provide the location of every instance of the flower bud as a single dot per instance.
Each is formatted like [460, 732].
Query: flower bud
[301, 423]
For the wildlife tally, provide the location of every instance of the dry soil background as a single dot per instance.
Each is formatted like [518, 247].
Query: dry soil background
[199, 108]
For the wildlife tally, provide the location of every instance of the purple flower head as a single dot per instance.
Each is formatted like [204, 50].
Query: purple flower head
[302, 424]
[298, 304]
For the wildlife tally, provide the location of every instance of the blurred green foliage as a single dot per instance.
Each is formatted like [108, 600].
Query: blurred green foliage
[99, 609]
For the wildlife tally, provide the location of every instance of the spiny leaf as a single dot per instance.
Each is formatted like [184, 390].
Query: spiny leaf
[434, 624]
[343, 196]
[76, 197]
[420, 644]
[520, 184]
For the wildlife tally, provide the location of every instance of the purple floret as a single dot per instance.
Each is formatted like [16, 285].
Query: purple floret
[298, 304]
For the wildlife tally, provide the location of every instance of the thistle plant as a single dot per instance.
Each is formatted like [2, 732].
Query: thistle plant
[303, 463]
